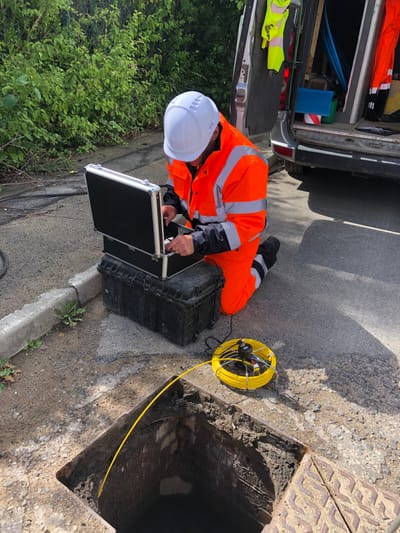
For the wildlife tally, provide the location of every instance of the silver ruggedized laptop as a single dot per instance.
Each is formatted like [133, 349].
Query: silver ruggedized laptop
[127, 212]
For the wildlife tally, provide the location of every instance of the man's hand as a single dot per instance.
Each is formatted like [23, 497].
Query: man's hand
[169, 213]
[181, 245]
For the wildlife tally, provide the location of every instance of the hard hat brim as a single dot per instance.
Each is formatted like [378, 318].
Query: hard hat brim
[186, 157]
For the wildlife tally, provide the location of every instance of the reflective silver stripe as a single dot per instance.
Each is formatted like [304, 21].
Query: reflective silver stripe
[184, 205]
[233, 208]
[170, 181]
[259, 259]
[276, 41]
[256, 275]
[234, 157]
[246, 208]
[209, 219]
[231, 234]
[277, 9]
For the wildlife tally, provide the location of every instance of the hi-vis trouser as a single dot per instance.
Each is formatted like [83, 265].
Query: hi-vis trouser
[384, 60]
[272, 32]
[240, 281]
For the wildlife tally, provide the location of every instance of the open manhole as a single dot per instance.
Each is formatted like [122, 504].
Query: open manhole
[193, 464]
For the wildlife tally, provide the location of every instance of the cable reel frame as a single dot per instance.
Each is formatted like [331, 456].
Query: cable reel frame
[257, 359]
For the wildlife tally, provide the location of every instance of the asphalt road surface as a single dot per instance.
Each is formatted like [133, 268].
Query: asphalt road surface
[329, 309]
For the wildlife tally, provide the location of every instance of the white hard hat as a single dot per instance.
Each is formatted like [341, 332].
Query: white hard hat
[189, 122]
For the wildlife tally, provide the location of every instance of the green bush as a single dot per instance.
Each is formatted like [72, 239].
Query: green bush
[80, 73]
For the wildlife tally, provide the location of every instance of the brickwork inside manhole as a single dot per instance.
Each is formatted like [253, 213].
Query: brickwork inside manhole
[192, 459]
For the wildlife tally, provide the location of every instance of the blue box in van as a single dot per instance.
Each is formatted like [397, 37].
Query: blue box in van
[314, 101]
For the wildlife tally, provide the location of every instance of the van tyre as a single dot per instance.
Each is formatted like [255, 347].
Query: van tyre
[294, 169]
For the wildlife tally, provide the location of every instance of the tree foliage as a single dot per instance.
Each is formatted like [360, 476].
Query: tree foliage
[79, 73]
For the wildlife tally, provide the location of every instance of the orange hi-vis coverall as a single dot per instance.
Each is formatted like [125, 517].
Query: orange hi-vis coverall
[224, 200]
[384, 59]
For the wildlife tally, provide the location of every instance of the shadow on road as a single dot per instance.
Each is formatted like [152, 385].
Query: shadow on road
[332, 300]
[372, 202]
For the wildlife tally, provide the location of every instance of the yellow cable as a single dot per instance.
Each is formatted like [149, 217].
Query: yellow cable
[140, 417]
[244, 382]
[229, 378]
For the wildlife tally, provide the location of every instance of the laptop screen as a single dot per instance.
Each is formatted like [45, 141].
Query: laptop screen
[126, 209]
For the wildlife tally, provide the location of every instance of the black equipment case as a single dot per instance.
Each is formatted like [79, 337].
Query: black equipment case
[173, 295]
[179, 308]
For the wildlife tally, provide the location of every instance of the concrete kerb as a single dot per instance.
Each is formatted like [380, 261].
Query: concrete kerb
[37, 318]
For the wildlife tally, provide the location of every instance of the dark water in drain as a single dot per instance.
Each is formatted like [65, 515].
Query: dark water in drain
[182, 515]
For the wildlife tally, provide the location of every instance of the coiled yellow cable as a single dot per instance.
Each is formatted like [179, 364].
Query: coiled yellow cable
[246, 382]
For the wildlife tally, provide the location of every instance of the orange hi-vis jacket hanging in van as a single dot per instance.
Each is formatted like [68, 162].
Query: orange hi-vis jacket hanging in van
[272, 32]
[225, 200]
[384, 59]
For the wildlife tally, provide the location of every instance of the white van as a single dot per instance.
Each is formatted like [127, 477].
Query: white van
[316, 107]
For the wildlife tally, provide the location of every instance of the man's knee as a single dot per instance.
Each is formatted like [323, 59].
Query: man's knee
[234, 300]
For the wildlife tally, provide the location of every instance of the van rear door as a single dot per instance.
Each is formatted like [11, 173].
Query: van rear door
[256, 90]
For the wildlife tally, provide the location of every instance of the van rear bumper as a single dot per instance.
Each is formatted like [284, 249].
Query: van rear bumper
[387, 167]
[285, 146]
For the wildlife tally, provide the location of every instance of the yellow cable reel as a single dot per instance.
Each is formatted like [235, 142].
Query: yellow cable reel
[244, 364]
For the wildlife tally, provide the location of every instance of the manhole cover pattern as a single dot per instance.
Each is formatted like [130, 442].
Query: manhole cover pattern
[322, 497]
